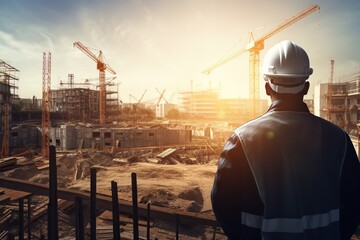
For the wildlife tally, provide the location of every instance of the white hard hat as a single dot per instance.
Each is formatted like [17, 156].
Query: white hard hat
[286, 67]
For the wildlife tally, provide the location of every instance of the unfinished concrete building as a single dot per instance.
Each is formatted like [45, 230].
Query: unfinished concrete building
[76, 103]
[69, 137]
[82, 103]
[340, 104]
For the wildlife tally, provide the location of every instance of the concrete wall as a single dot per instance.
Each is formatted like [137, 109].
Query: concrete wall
[69, 137]
[25, 137]
[63, 137]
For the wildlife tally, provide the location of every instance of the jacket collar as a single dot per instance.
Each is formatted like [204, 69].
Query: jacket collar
[281, 105]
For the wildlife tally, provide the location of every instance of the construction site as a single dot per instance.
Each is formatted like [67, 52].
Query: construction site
[80, 163]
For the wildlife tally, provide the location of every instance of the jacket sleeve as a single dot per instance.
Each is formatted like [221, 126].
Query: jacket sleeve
[226, 191]
[349, 193]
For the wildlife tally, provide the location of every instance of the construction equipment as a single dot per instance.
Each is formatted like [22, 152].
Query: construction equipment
[138, 101]
[75, 84]
[87, 81]
[46, 97]
[108, 81]
[161, 96]
[71, 82]
[101, 66]
[254, 47]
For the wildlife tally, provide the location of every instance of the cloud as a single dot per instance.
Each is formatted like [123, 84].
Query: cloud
[18, 47]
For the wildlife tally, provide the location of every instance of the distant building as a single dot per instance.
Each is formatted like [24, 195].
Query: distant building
[208, 105]
[67, 137]
[162, 109]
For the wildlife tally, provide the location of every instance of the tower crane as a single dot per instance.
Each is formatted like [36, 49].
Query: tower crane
[161, 96]
[46, 105]
[101, 66]
[254, 47]
[138, 101]
[108, 81]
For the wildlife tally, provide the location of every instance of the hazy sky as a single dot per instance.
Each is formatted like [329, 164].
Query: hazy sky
[166, 44]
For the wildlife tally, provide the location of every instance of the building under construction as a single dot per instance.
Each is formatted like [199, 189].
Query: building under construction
[72, 102]
[75, 103]
[340, 103]
[8, 91]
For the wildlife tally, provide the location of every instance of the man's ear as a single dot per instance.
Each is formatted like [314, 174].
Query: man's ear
[267, 89]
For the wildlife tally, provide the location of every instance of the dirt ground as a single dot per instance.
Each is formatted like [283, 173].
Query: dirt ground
[180, 186]
[170, 180]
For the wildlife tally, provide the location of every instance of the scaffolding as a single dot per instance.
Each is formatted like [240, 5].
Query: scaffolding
[75, 103]
[342, 101]
[80, 100]
[8, 91]
[112, 102]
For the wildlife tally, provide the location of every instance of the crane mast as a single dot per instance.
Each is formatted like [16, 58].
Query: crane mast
[101, 66]
[254, 47]
[45, 119]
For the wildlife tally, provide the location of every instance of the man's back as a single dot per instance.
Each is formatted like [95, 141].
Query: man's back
[287, 174]
[294, 156]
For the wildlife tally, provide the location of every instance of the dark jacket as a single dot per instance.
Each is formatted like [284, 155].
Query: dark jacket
[235, 190]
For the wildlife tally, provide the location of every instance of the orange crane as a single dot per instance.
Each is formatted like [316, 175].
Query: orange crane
[254, 47]
[46, 97]
[101, 66]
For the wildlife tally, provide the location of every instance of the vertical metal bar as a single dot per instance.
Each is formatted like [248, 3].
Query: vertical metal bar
[177, 226]
[42, 236]
[21, 219]
[93, 204]
[79, 219]
[214, 234]
[29, 217]
[148, 221]
[115, 211]
[53, 205]
[135, 206]
[208, 155]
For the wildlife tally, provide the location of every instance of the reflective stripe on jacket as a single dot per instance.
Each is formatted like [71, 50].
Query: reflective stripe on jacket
[297, 173]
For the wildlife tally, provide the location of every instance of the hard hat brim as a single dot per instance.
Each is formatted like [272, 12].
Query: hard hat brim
[279, 75]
